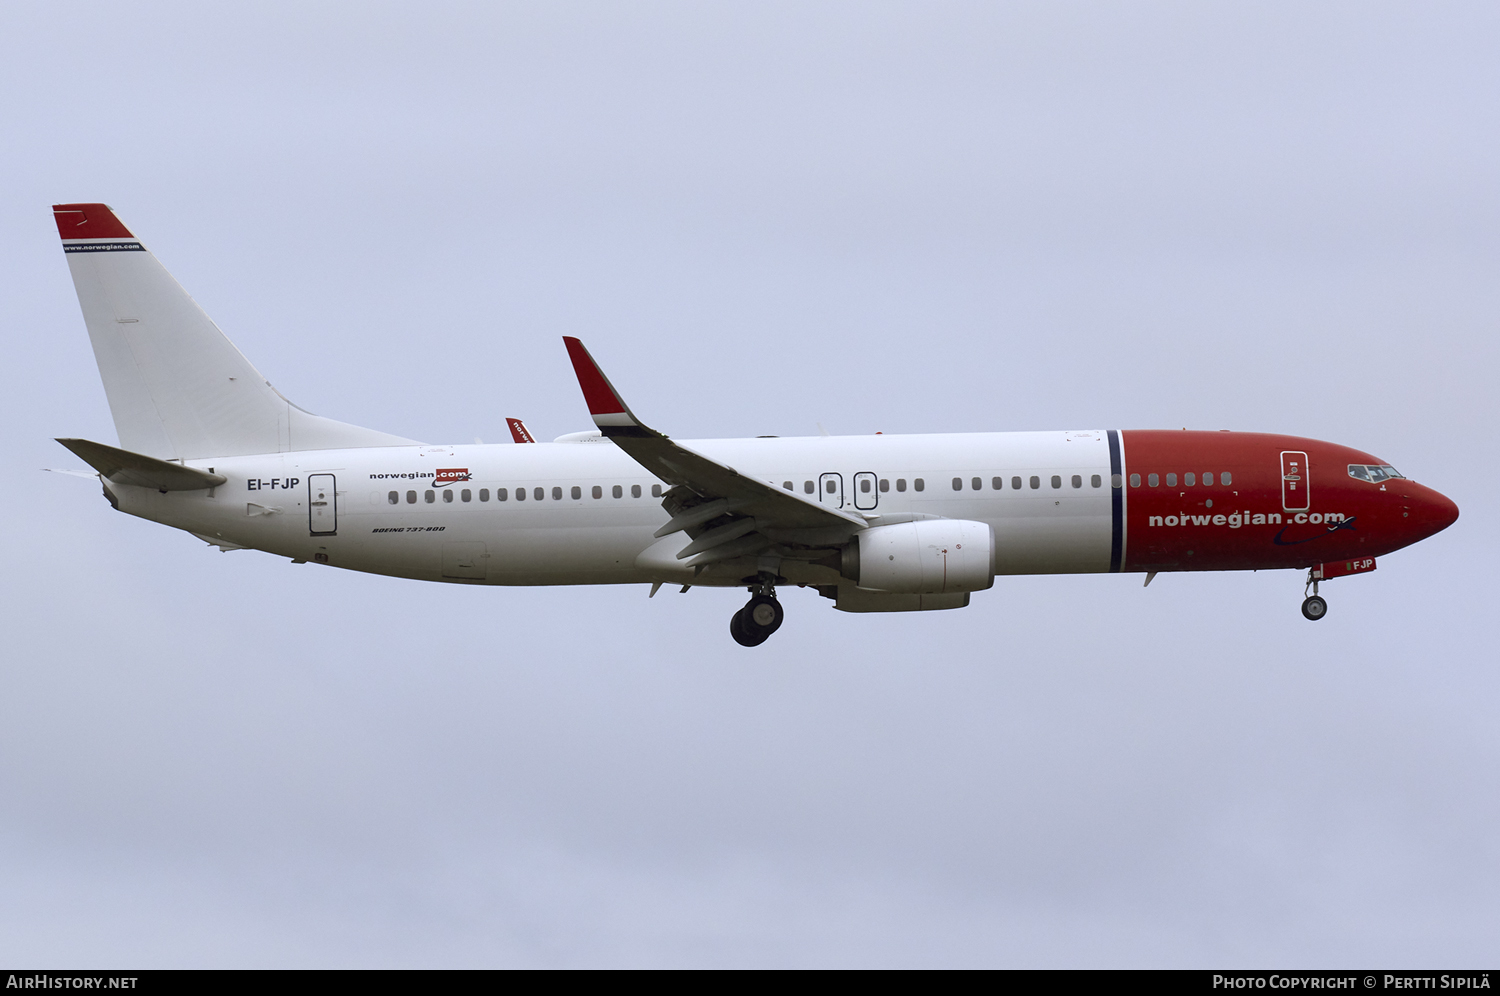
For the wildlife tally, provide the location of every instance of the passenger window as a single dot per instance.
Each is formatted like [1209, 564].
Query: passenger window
[1015, 483]
[1135, 480]
[656, 491]
[429, 497]
[538, 493]
[577, 492]
[635, 491]
[556, 493]
[502, 493]
[466, 495]
[918, 484]
[1095, 482]
[1208, 480]
[1171, 480]
[1189, 479]
[885, 484]
[864, 485]
[976, 484]
[520, 494]
[617, 491]
[1115, 482]
[484, 494]
[1153, 480]
[958, 484]
[597, 491]
[1036, 482]
[828, 486]
[787, 485]
[996, 483]
[394, 497]
[1077, 481]
[900, 484]
[1225, 479]
[1056, 481]
[807, 487]
[447, 495]
[411, 497]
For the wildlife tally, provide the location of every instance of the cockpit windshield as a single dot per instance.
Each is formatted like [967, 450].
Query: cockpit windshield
[1373, 472]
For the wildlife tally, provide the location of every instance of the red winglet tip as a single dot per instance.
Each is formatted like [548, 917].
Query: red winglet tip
[518, 431]
[597, 393]
[88, 221]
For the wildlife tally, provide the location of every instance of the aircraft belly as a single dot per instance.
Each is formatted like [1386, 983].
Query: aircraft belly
[560, 554]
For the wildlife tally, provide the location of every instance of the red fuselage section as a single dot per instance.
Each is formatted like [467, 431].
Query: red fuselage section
[1223, 501]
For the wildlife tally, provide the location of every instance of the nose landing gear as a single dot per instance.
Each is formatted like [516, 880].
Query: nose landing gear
[1314, 607]
[754, 623]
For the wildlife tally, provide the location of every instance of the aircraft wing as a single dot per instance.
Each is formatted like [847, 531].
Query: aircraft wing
[705, 489]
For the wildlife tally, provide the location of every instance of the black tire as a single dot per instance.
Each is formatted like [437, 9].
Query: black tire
[742, 634]
[1314, 608]
[762, 615]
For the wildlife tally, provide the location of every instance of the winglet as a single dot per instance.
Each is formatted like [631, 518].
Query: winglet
[518, 431]
[610, 413]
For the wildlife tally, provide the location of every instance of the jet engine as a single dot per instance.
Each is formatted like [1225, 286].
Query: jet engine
[925, 557]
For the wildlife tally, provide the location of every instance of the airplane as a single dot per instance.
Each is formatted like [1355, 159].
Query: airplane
[875, 523]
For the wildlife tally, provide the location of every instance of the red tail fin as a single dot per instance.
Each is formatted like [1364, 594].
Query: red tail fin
[88, 221]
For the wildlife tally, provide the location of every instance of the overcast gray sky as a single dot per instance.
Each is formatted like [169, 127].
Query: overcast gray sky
[901, 217]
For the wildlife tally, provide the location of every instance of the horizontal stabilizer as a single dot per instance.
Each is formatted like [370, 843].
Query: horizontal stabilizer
[125, 467]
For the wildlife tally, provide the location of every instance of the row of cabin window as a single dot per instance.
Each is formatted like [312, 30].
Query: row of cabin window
[998, 483]
[537, 494]
[1189, 480]
[976, 483]
[918, 484]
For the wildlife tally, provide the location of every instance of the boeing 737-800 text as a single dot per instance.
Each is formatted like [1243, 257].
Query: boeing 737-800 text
[881, 523]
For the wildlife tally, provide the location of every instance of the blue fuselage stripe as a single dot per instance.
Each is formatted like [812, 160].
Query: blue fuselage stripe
[1116, 504]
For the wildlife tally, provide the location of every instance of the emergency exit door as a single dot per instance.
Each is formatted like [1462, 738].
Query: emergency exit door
[322, 505]
[831, 490]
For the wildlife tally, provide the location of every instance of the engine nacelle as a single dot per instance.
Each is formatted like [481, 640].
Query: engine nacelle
[926, 557]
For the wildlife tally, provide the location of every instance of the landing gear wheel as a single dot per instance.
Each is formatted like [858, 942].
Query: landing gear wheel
[1314, 608]
[763, 614]
[753, 624]
[742, 634]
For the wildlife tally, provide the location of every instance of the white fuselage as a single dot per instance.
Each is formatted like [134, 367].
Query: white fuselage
[388, 513]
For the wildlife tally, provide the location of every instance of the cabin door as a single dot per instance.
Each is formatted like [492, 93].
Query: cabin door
[1295, 493]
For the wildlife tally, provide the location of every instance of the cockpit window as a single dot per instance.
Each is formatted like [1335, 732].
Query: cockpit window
[1373, 472]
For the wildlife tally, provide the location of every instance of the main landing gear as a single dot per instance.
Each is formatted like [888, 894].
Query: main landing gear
[754, 623]
[1313, 607]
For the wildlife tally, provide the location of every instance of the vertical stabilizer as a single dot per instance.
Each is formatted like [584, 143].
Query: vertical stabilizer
[177, 387]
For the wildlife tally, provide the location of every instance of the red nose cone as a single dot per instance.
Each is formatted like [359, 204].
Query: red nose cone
[1432, 511]
[1447, 513]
